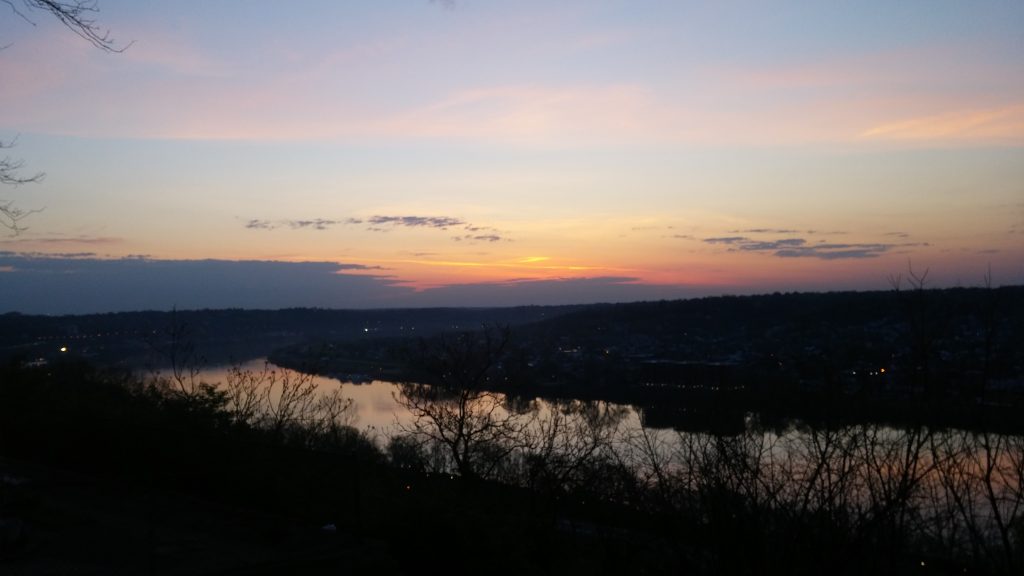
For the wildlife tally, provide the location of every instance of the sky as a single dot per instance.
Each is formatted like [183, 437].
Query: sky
[481, 153]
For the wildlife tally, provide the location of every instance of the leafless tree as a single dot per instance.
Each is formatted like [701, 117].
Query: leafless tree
[77, 15]
[979, 496]
[285, 403]
[569, 446]
[10, 214]
[456, 409]
[174, 348]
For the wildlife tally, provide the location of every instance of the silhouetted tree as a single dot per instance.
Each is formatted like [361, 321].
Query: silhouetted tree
[454, 407]
[175, 348]
[10, 214]
[77, 16]
[569, 447]
[288, 405]
[979, 493]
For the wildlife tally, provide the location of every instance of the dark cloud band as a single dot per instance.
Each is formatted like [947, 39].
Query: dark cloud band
[57, 285]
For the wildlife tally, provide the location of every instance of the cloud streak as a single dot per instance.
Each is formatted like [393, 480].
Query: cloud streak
[985, 125]
[727, 240]
[799, 247]
[314, 224]
[379, 223]
[479, 238]
[834, 251]
[51, 240]
[374, 223]
[441, 222]
[766, 231]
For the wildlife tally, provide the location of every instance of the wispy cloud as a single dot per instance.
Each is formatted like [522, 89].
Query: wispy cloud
[785, 243]
[835, 251]
[375, 223]
[799, 248]
[765, 231]
[727, 240]
[256, 224]
[379, 223]
[45, 255]
[54, 240]
[442, 222]
[313, 224]
[317, 224]
[990, 124]
[478, 238]
[787, 231]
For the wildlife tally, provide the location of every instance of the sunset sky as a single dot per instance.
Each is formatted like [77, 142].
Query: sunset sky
[417, 153]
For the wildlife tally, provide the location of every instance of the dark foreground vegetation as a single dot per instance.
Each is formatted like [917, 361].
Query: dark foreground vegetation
[105, 473]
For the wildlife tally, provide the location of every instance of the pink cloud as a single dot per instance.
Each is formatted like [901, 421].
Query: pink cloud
[166, 87]
[1002, 124]
[531, 113]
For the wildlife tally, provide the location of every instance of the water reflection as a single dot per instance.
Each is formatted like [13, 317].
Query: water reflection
[374, 405]
[959, 490]
[378, 405]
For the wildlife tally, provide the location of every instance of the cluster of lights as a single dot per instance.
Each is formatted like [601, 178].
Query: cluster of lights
[879, 372]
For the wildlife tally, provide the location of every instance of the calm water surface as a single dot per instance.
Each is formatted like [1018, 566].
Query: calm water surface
[374, 404]
[796, 455]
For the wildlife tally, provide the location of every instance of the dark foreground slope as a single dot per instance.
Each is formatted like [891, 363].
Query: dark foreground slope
[100, 475]
[104, 474]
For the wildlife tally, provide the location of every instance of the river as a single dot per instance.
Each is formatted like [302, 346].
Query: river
[959, 487]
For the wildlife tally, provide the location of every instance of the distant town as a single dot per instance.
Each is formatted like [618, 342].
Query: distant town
[775, 354]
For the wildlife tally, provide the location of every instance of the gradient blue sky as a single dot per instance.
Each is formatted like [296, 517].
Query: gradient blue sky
[416, 153]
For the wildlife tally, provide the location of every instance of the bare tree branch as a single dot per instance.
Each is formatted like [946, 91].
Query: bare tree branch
[76, 15]
[10, 214]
